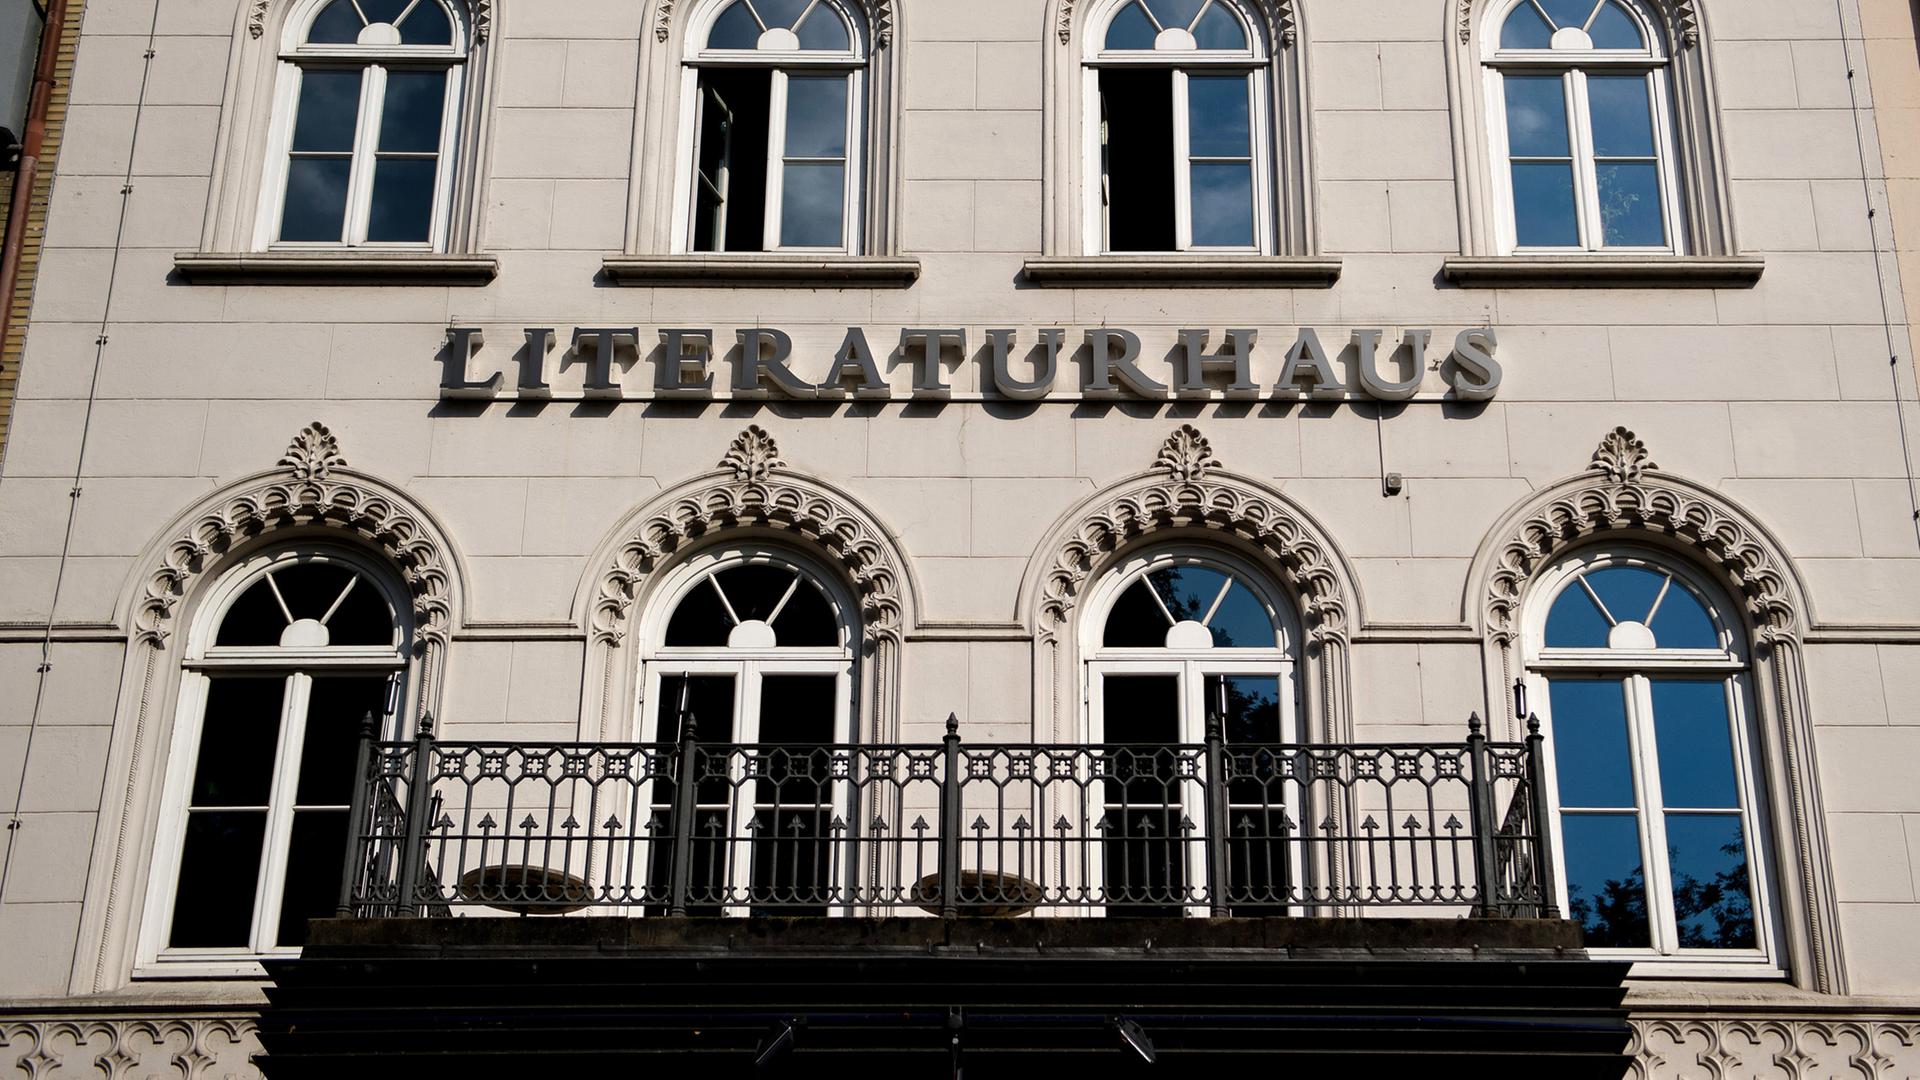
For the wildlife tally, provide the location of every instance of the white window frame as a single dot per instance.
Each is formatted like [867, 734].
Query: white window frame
[1635, 669]
[783, 64]
[296, 56]
[1254, 63]
[1191, 667]
[297, 667]
[1573, 67]
[748, 667]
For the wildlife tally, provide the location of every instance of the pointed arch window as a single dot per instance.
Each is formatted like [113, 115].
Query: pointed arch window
[294, 650]
[1642, 669]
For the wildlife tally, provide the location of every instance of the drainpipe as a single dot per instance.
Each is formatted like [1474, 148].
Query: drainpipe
[52, 32]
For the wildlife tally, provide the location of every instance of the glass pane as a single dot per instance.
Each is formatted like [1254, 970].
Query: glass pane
[825, 30]
[1140, 710]
[363, 618]
[402, 211]
[1136, 621]
[1543, 214]
[1536, 116]
[1172, 13]
[1613, 28]
[1574, 622]
[797, 714]
[781, 13]
[238, 742]
[1242, 622]
[410, 122]
[255, 619]
[1622, 115]
[734, 29]
[813, 205]
[817, 117]
[315, 855]
[316, 206]
[1525, 29]
[1219, 29]
[808, 620]
[384, 11]
[1606, 887]
[1630, 213]
[1695, 740]
[1683, 623]
[337, 24]
[311, 588]
[1223, 205]
[1590, 750]
[1131, 29]
[1252, 704]
[427, 25]
[1188, 591]
[1712, 889]
[219, 874]
[329, 112]
[335, 708]
[1219, 124]
[1568, 12]
[708, 699]
[1628, 591]
[756, 589]
[700, 620]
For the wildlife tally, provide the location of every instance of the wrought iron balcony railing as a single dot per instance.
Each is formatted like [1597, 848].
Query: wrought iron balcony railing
[951, 828]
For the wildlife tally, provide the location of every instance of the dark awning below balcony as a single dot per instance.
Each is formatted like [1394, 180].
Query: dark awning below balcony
[587, 996]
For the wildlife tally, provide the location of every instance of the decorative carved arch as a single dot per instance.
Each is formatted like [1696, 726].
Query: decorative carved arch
[1624, 496]
[879, 20]
[1283, 24]
[1682, 18]
[480, 11]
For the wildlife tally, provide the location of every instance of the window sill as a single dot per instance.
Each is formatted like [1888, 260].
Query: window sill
[1604, 271]
[334, 268]
[1184, 271]
[764, 271]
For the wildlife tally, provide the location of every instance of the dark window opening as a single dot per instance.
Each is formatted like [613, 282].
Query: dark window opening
[1137, 159]
[730, 181]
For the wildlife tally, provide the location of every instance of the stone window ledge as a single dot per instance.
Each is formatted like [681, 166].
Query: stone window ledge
[1184, 271]
[334, 268]
[1604, 271]
[764, 271]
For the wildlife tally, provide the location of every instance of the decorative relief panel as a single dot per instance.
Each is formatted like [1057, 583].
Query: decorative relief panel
[173, 1048]
[1837, 1048]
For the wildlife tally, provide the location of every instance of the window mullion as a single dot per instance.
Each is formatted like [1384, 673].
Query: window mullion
[373, 89]
[286, 768]
[740, 841]
[776, 158]
[1585, 170]
[1182, 165]
[1658, 869]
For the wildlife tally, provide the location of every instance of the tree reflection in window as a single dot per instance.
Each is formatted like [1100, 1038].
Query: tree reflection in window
[755, 605]
[1168, 607]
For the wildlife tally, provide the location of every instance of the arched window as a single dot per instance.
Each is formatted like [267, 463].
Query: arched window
[294, 649]
[757, 649]
[776, 92]
[366, 125]
[1177, 639]
[1644, 674]
[1583, 133]
[1178, 130]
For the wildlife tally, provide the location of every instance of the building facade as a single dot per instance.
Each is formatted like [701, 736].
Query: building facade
[567, 390]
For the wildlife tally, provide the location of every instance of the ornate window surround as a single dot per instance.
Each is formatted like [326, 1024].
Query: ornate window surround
[1188, 500]
[1624, 498]
[314, 496]
[752, 497]
[228, 252]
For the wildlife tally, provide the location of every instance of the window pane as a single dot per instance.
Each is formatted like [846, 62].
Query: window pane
[1140, 710]
[780, 13]
[825, 30]
[255, 619]
[402, 210]
[1568, 12]
[316, 206]
[1590, 750]
[709, 701]
[427, 25]
[817, 117]
[813, 206]
[311, 588]
[329, 112]
[1606, 887]
[1131, 29]
[1630, 213]
[1628, 591]
[1173, 13]
[1218, 120]
[363, 618]
[1219, 29]
[1242, 621]
[797, 714]
[1613, 28]
[1136, 109]
[1222, 205]
[1683, 623]
[1536, 116]
[1574, 622]
[1695, 737]
[755, 590]
[700, 620]
[1525, 29]
[734, 29]
[1253, 707]
[384, 11]
[337, 24]
[219, 874]
[808, 620]
[410, 122]
[1543, 214]
[335, 709]
[316, 855]
[238, 742]
[1188, 591]
[1622, 115]
[1136, 621]
[1712, 889]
